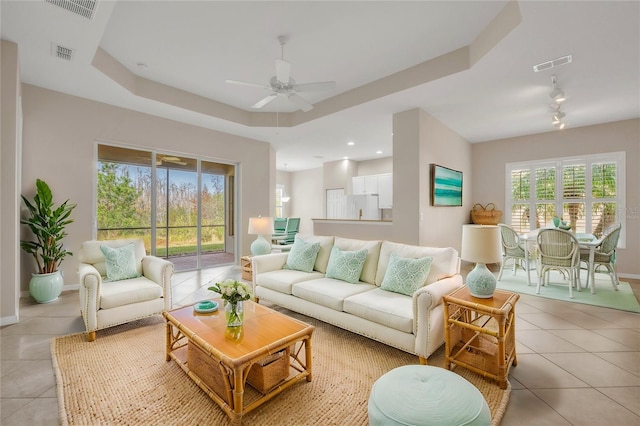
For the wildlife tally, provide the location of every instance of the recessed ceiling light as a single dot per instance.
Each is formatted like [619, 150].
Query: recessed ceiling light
[351, 143]
[345, 158]
[378, 152]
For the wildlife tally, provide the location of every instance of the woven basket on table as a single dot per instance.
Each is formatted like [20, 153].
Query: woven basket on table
[487, 215]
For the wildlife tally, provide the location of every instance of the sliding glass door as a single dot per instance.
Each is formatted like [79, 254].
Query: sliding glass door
[182, 216]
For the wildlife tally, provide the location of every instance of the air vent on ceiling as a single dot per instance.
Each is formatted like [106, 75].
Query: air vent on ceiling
[553, 63]
[84, 8]
[61, 52]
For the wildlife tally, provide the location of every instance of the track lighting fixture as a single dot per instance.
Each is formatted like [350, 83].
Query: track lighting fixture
[557, 94]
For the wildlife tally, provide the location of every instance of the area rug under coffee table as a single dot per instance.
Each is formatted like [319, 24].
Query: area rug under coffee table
[122, 378]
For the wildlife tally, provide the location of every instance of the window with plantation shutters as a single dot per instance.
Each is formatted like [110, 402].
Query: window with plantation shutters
[586, 192]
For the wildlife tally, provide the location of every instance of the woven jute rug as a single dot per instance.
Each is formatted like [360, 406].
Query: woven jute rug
[122, 378]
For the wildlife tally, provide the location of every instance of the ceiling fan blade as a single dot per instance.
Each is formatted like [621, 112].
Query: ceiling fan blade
[300, 103]
[264, 101]
[283, 71]
[244, 83]
[315, 87]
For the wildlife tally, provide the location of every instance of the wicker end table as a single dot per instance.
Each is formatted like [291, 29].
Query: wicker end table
[480, 333]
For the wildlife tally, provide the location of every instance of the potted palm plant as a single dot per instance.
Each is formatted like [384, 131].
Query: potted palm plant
[47, 223]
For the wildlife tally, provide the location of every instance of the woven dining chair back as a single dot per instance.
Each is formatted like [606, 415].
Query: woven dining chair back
[605, 254]
[609, 244]
[559, 250]
[513, 248]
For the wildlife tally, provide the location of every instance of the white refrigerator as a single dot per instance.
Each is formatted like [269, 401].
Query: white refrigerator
[362, 207]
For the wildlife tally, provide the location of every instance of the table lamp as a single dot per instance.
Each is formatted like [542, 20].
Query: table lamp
[481, 245]
[260, 226]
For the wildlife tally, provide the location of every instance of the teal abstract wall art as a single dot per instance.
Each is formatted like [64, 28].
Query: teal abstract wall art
[446, 186]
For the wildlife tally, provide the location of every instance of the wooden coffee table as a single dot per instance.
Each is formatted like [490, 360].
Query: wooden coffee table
[220, 359]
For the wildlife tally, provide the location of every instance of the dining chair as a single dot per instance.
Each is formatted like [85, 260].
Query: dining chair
[293, 226]
[558, 250]
[605, 254]
[513, 247]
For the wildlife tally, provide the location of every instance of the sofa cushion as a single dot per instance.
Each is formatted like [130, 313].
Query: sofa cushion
[328, 292]
[282, 279]
[119, 293]
[120, 262]
[373, 253]
[405, 275]
[346, 265]
[393, 310]
[444, 263]
[326, 243]
[302, 256]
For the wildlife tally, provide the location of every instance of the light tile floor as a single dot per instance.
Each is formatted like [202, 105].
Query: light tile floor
[577, 364]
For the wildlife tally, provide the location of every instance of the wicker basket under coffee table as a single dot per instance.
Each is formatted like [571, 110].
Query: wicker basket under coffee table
[266, 352]
[480, 333]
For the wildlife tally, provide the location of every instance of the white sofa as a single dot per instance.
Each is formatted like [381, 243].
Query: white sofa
[106, 304]
[414, 324]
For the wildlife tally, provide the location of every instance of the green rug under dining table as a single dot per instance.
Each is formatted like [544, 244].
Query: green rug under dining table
[605, 295]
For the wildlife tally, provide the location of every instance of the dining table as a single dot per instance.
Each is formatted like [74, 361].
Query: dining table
[587, 242]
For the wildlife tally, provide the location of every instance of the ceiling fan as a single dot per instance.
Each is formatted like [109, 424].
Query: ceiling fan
[282, 85]
[169, 159]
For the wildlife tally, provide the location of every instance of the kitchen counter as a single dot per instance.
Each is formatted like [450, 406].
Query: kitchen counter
[353, 228]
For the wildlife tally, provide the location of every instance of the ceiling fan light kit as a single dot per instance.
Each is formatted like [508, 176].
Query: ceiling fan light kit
[282, 85]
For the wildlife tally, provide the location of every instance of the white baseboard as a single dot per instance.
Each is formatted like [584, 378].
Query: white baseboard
[69, 287]
[632, 276]
[13, 319]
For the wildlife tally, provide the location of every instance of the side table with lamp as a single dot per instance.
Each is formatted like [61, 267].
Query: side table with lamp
[480, 320]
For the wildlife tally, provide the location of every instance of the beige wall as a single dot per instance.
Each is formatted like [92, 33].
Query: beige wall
[60, 133]
[489, 159]
[307, 197]
[375, 167]
[10, 152]
[420, 140]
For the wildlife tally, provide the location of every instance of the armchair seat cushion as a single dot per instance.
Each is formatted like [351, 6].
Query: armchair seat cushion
[126, 292]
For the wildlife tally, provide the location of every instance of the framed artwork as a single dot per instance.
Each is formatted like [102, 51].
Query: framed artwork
[446, 186]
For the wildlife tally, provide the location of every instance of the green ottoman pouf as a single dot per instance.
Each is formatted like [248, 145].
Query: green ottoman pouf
[425, 395]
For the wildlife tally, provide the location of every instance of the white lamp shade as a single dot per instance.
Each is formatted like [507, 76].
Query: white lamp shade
[481, 244]
[260, 225]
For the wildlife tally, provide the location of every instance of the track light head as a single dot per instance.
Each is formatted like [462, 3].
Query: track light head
[557, 117]
[557, 94]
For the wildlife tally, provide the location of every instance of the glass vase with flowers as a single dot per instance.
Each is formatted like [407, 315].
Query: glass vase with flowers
[234, 293]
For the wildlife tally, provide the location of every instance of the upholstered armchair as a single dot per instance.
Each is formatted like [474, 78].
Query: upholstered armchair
[123, 286]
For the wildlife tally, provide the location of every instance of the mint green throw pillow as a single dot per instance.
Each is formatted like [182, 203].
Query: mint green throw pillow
[405, 275]
[346, 265]
[302, 256]
[120, 262]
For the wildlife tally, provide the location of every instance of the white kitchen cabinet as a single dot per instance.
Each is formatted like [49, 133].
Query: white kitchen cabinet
[364, 184]
[357, 185]
[385, 191]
